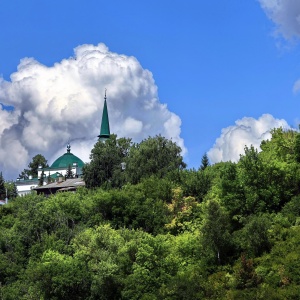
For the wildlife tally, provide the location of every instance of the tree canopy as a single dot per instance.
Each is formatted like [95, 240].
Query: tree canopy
[153, 156]
[37, 160]
[230, 231]
[2, 186]
[105, 165]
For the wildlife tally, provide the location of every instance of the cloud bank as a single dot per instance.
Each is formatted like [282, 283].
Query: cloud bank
[285, 14]
[61, 103]
[246, 132]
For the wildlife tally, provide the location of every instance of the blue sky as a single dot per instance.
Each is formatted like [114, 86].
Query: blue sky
[213, 62]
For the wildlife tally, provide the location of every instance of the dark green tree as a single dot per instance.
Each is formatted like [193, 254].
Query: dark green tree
[69, 173]
[246, 276]
[154, 156]
[42, 178]
[49, 179]
[297, 147]
[204, 162]
[195, 183]
[37, 160]
[216, 232]
[105, 165]
[24, 174]
[12, 191]
[2, 186]
[253, 237]
[232, 193]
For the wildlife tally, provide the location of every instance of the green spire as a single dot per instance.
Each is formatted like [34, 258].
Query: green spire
[104, 131]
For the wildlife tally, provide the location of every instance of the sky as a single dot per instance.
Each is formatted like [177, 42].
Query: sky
[213, 76]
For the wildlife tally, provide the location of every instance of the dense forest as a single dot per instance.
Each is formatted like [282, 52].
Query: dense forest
[156, 230]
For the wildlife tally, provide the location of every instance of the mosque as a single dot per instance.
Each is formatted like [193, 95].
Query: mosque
[55, 175]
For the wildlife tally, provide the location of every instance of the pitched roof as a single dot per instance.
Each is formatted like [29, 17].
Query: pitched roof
[73, 182]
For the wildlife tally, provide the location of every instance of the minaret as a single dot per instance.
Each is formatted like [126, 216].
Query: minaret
[104, 131]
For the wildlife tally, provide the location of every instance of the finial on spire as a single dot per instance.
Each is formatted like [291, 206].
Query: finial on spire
[68, 147]
[105, 94]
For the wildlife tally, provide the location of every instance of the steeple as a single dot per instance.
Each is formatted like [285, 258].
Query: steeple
[104, 131]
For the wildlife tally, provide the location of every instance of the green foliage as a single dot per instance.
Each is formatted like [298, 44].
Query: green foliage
[184, 212]
[42, 178]
[2, 187]
[196, 183]
[204, 162]
[153, 156]
[69, 173]
[37, 160]
[216, 233]
[292, 210]
[246, 276]
[157, 231]
[297, 147]
[57, 276]
[12, 191]
[232, 192]
[253, 238]
[104, 168]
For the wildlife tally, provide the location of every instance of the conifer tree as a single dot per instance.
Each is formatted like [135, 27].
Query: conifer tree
[204, 162]
[2, 186]
[41, 179]
[69, 173]
[37, 160]
[49, 178]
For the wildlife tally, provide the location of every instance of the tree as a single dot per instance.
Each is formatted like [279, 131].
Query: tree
[215, 230]
[232, 193]
[12, 191]
[297, 147]
[154, 156]
[246, 276]
[195, 183]
[2, 186]
[41, 179]
[69, 173]
[105, 165]
[204, 162]
[37, 160]
[253, 238]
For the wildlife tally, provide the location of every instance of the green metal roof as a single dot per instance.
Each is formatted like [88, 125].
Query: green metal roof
[67, 159]
[104, 131]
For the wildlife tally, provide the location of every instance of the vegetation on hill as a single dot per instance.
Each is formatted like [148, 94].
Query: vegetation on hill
[159, 231]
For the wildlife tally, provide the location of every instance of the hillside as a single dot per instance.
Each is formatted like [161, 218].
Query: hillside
[226, 231]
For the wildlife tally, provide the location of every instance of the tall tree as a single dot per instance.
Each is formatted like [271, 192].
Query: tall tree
[12, 191]
[105, 165]
[42, 178]
[216, 232]
[2, 186]
[204, 162]
[297, 147]
[69, 173]
[154, 156]
[37, 160]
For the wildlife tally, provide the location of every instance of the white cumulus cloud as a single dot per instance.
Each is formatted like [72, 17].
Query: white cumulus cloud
[246, 132]
[63, 102]
[285, 14]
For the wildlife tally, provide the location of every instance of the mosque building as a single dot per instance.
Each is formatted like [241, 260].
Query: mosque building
[55, 176]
